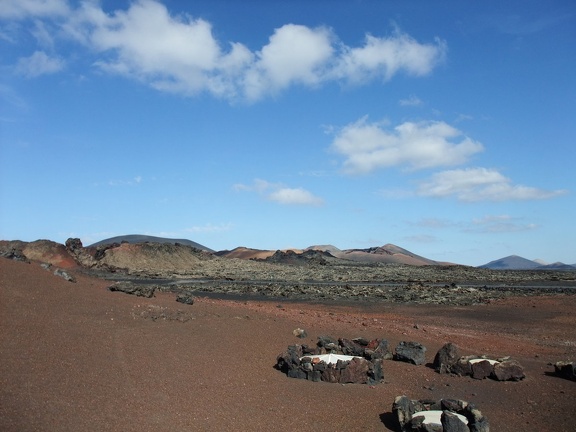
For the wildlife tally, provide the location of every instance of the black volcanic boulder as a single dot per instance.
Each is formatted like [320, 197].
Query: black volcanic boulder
[482, 369]
[352, 348]
[446, 358]
[508, 370]
[565, 370]
[410, 352]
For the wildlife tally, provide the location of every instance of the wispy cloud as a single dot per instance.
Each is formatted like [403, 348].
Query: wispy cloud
[20, 9]
[38, 64]
[435, 223]
[410, 101]
[421, 238]
[500, 224]
[371, 146]
[179, 53]
[124, 182]
[480, 184]
[281, 194]
[209, 228]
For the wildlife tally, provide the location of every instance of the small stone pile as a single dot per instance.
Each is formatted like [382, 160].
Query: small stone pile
[444, 415]
[364, 365]
[449, 361]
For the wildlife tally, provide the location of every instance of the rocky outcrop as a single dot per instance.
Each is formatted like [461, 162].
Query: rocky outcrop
[444, 415]
[14, 254]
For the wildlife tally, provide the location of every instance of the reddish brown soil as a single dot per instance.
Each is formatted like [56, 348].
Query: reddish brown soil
[77, 357]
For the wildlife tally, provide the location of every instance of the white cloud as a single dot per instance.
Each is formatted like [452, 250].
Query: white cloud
[384, 57]
[32, 8]
[281, 194]
[480, 184]
[180, 54]
[294, 54]
[297, 196]
[370, 146]
[38, 64]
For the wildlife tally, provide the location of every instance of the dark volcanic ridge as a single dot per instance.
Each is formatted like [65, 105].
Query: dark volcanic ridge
[138, 238]
[515, 262]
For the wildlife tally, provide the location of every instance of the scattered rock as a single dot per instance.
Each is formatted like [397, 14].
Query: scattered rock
[134, 289]
[411, 352]
[300, 333]
[185, 298]
[565, 369]
[65, 275]
[159, 313]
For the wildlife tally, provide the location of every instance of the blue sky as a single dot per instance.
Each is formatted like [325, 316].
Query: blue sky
[446, 128]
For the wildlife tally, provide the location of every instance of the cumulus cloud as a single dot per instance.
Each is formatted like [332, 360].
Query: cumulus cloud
[281, 194]
[294, 54]
[480, 184]
[384, 57]
[180, 54]
[371, 146]
[38, 64]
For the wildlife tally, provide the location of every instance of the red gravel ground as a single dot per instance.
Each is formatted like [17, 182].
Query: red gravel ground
[77, 357]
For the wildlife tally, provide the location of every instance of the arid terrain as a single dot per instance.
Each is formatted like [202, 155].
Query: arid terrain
[77, 356]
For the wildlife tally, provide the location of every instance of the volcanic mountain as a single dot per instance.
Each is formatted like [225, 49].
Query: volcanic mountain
[515, 262]
[138, 238]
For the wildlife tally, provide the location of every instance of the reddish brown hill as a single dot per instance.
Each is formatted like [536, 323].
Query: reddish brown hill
[45, 251]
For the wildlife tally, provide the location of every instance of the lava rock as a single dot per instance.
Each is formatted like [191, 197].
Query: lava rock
[64, 275]
[411, 352]
[482, 369]
[185, 298]
[509, 370]
[452, 423]
[134, 289]
[565, 370]
[446, 358]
